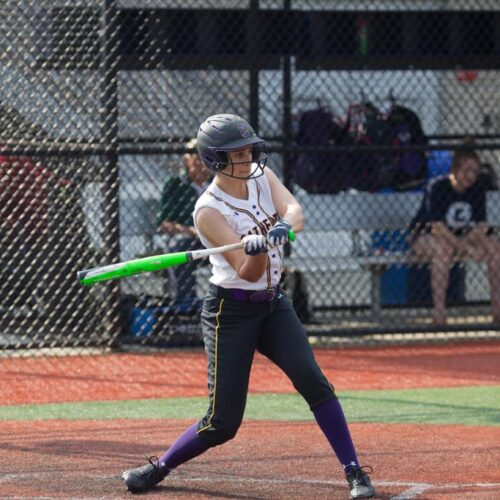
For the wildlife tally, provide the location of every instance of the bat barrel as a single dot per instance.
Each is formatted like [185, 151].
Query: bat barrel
[152, 263]
[129, 268]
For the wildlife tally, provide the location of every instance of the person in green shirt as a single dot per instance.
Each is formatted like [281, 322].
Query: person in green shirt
[175, 220]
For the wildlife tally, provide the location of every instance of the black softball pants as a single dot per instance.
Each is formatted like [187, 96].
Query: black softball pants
[232, 332]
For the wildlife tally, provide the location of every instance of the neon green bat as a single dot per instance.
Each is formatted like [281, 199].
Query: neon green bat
[153, 263]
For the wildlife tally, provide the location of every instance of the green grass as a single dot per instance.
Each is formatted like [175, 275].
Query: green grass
[464, 405]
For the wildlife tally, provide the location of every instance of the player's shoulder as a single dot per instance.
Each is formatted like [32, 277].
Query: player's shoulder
[439, 183]
[210, 197]
[203, 200]
[269, 175]
[481, 185]
[269, 180]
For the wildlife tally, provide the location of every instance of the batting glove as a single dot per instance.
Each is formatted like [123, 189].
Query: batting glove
[254, 244]
[278, 235]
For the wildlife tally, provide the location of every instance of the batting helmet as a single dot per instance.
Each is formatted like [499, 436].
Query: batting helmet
[219, 134]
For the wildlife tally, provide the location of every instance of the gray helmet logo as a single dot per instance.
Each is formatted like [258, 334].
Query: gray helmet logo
[245, 130]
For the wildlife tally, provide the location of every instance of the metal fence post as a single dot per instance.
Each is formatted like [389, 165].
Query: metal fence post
[254, 68]
[109, 130]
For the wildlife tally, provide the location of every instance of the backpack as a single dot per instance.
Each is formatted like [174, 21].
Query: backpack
[377, 169]
[386, 169]
[411, 165]
[321, 171]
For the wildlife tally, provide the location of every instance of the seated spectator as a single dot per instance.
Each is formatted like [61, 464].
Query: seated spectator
[179, 196]
[451, 224]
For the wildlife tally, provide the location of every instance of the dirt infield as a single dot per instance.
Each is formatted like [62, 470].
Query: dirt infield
[77, 459]
[84, 460]
[180, 373]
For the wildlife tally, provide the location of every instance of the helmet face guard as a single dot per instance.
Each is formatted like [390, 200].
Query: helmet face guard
[259, 160]
[220, 134]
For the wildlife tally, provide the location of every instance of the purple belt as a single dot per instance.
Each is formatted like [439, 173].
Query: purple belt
[244, 295]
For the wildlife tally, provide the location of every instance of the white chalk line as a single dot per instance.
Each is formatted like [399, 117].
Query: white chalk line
[413, 490]
[55, 498]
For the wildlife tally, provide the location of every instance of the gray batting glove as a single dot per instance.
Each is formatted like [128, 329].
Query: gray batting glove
[254, 244]
[278, 235]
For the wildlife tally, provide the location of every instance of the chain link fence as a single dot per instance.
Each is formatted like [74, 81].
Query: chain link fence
[361, 104]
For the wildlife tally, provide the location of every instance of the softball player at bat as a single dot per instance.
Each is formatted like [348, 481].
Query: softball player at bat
[245, 309]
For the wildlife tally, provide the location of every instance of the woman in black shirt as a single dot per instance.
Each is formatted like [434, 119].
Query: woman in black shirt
[451, 224]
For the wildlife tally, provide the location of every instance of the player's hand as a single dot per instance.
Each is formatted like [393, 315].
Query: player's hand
[254, 244]
[278, 235]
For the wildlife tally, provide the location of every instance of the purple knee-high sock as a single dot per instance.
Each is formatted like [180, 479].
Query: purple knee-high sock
[186, 447]
[331, 419]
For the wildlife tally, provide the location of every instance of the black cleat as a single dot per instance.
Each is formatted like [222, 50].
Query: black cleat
[359, 482]
[146, 477]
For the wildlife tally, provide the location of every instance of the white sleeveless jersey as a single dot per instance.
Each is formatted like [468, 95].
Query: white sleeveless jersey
[256, 215]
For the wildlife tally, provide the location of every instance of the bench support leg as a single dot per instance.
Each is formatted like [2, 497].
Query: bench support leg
[375, 295]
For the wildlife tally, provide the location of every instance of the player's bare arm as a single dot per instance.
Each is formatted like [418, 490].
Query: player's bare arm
[215, 228]
[173, 228]
[284, 201]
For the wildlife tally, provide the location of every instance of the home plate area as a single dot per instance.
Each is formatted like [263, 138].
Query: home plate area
[266, 460]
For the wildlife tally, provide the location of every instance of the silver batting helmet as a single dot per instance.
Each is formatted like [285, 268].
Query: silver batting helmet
[219, 134]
